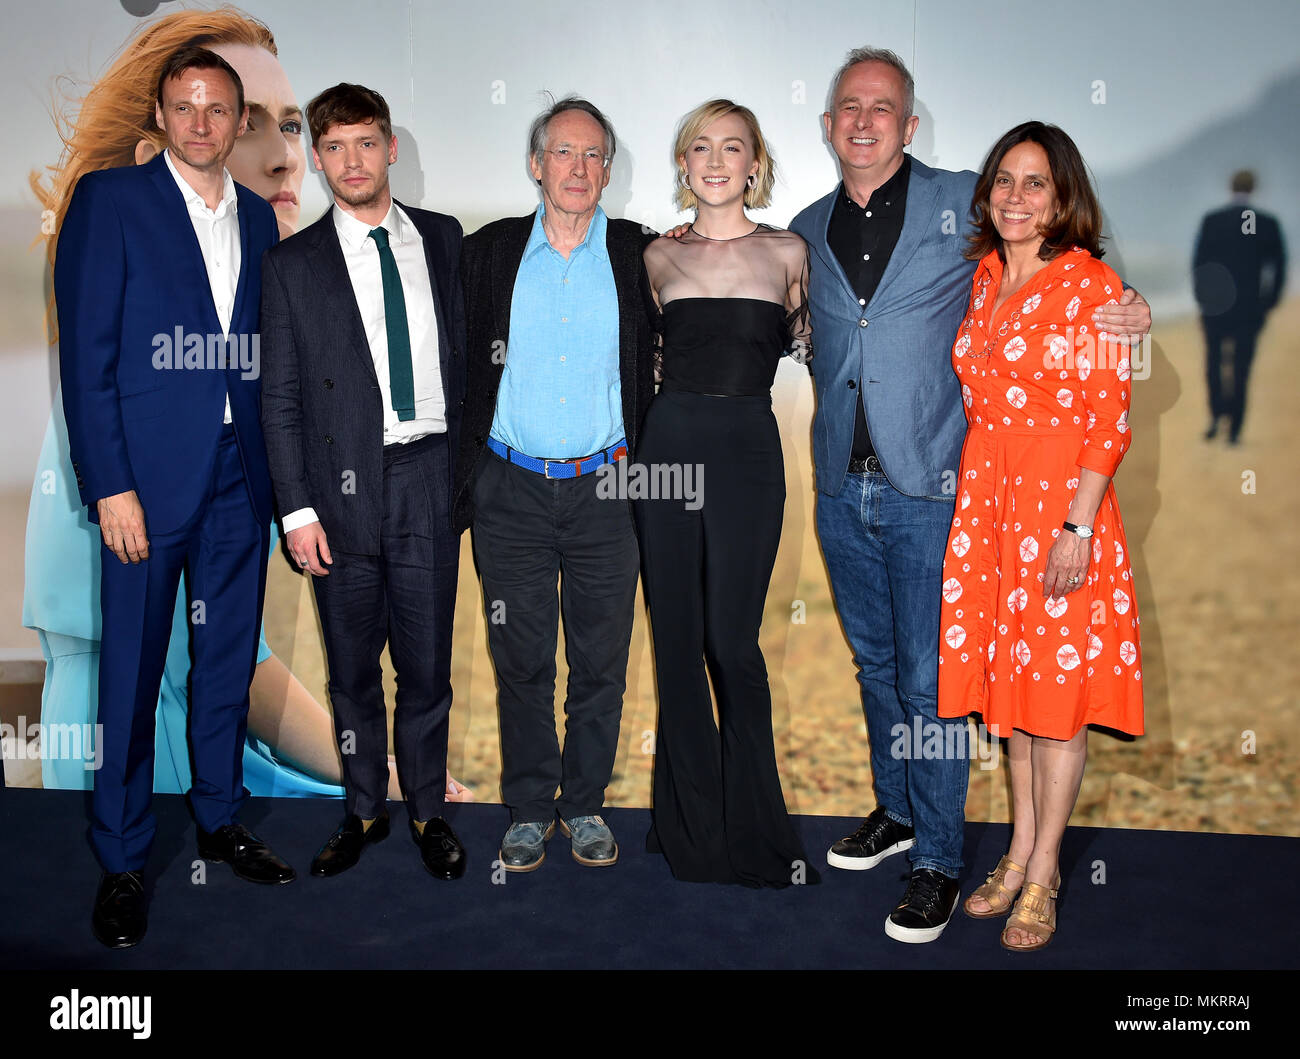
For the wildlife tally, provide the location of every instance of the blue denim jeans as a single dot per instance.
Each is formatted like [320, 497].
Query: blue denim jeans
[884, 551]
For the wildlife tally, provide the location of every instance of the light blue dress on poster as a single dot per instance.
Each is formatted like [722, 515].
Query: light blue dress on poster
[61, 603]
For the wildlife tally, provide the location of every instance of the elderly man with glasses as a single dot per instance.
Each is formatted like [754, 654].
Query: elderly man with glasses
[559, 377]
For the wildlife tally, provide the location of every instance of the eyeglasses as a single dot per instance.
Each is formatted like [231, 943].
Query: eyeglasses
[567, 155]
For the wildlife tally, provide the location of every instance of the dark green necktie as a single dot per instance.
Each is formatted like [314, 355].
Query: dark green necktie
[401, 380]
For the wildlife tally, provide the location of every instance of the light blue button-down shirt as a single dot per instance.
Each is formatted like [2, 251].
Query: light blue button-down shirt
[560, 396]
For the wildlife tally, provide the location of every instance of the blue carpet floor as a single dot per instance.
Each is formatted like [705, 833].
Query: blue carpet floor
[1131, 899]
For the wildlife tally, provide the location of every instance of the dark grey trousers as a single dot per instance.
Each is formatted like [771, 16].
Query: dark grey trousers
[531, 532]
[405, 597]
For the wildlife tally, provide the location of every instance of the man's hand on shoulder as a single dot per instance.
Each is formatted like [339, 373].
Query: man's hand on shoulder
[121, 524]
[1128, 322]
[310, 549]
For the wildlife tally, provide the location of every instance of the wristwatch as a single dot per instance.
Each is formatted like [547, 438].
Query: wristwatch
[1083, 531]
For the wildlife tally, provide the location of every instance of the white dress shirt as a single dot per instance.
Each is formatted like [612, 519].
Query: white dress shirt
[361, 255]
[218, 234]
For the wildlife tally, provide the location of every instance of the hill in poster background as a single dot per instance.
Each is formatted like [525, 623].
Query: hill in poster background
[1154, 211]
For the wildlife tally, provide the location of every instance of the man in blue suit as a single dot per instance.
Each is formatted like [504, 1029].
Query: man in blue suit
[157, 284]
[887, 289]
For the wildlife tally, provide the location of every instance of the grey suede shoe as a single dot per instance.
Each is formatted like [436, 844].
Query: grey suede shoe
[524, 846]
[593, 842]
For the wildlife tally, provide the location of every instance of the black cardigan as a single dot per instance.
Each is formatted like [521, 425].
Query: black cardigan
[489, 264]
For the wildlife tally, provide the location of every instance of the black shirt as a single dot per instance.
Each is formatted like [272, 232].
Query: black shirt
[863, 238]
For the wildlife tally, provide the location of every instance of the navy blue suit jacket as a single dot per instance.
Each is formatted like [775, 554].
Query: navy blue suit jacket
[130, 286]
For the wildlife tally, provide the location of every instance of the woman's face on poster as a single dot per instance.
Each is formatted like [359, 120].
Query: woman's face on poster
[270, 157]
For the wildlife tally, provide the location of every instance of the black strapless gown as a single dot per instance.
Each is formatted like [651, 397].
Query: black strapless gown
[707, 558]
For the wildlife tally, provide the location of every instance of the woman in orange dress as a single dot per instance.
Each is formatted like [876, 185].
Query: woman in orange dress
[1039, 630]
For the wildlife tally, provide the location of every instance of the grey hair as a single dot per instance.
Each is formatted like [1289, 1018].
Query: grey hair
[875, 55]
[537, 130]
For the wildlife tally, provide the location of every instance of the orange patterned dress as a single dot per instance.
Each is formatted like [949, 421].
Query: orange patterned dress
[1043, 398]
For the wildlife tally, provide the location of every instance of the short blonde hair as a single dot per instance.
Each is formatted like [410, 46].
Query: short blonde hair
[699, 119]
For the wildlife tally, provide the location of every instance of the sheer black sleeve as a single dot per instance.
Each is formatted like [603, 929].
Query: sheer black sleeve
[798, 321]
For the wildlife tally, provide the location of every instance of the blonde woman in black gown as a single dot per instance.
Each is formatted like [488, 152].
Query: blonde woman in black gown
[732, 299]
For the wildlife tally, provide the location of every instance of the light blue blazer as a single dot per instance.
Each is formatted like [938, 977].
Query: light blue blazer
[895, 350]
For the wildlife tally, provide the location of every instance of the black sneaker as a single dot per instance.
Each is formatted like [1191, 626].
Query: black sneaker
[925, 909]
[878, 837]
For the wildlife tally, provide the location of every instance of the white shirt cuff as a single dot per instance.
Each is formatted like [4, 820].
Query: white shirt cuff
[304, 516]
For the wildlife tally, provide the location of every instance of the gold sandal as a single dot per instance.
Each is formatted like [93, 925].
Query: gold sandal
[994, 893]
[1035, 915]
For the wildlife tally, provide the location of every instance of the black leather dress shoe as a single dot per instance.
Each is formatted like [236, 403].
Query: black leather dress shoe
[120, 915]
[343, 848]
[440, 849]
[248, 855]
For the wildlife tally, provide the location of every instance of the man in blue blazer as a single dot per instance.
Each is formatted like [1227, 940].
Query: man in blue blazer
[364, 327]
[157, 285]
[888, 287]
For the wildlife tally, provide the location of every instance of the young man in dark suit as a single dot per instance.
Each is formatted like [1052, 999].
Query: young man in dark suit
[363, 338]
[156, 285]
[560, 376]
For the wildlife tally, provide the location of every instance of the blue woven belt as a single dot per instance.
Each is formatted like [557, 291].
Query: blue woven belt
[560, 468]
